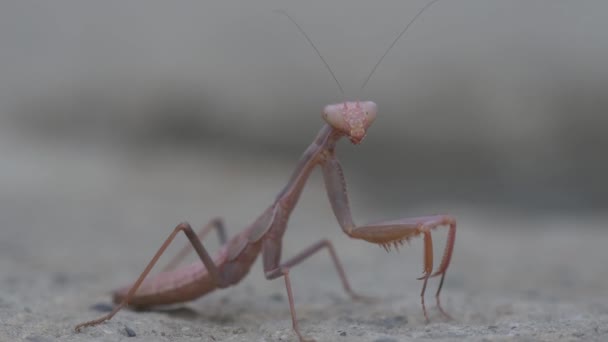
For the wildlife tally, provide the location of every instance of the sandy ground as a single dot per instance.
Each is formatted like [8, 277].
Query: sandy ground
[77, 223]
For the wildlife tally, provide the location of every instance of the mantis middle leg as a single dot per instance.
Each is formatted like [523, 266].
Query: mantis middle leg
[274, 269]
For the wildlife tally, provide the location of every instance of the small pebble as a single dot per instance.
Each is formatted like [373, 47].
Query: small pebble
[239, 330]
[400, 319]
[130, 332]
[277, 297]
[35, 338]
[385, 339]
[102, 307]
[60, 278]
[342, 333]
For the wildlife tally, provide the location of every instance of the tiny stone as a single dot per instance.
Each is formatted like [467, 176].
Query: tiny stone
[60, 278]
[342, 333]
[400, 318]
[102, 307]
[130, 332]
[35, 338]
[385, 339]
[277, 297]
[239, 330]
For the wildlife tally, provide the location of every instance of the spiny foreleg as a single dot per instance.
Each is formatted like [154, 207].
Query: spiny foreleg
[391, 233]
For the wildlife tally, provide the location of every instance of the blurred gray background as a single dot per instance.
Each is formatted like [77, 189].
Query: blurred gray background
[119, 119]
[486, 102]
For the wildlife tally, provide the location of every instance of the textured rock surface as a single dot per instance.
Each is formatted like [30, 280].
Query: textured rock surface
[76, 225]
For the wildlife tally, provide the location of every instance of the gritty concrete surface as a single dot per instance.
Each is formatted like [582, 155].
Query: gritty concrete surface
[76, 223]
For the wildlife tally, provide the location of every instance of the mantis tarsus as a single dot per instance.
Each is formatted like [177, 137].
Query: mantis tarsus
[232, 262]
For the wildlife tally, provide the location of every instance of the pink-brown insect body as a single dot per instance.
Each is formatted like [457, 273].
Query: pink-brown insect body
[234, 259]
[193, 281]
[183, 284]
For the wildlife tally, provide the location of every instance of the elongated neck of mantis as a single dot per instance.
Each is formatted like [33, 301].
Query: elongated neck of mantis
[325, 140]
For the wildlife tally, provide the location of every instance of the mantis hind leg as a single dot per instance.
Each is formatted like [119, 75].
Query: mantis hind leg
[198, 247]
[216, 224]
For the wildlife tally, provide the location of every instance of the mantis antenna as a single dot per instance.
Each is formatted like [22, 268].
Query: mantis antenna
[397, 39]
[314, 47]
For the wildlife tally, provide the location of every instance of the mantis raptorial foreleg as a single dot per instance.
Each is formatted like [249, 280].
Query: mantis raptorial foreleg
[390, 233]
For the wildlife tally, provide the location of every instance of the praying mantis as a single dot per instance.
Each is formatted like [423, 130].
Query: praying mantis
[350, 119]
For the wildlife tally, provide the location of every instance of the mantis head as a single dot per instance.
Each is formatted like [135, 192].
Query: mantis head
[354, 118]
[351, 118]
